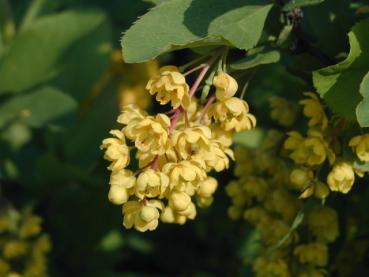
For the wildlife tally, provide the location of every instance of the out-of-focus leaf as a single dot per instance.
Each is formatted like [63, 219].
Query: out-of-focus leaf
[251, 139]
[85, 62]
[156, 2]
[16, 135]
[180, 24]
[38, 107]
[362, 110]
[293, 4]
[339, 84]
[33, 55]
[266, 57]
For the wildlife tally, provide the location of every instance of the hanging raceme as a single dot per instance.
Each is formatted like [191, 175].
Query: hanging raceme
[175, 150]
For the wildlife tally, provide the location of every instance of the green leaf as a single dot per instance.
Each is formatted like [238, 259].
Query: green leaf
[37, 108]
[156, 2]
[293, 4]
[251, 139]
[362, 110]
[339, 84]
[181, 24]
[34, 53]
[256, 60]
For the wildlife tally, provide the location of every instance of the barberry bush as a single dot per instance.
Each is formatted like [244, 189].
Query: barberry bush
[184, 138]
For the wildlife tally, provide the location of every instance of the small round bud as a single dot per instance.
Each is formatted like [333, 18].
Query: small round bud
[179, 201]
[149, 214]
[204, 202]
[301, 177]
[118, 194]
[167, 216]
[207, 187]
[321, 190]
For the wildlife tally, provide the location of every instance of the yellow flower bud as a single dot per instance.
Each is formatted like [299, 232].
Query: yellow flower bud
[207, 187]
[321, 190]
[179, 200]
[341, 178]
[226, 86]
[314, 110]
[168, 216]
[204, 202]
[118, 194]
[149, 214]
[170, 86]
[301, 177]
[121, 186]
[313, 253]
[116, 151]
[360, 145]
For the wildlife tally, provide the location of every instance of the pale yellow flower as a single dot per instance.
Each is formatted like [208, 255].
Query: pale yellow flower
[361, 146]
[170, 86]
[282, 111]
[142, 215]
[131, 113]
[150, 134]
[341, 178]
[312, 150]
[219, 134]
[301, 177]
[191, 140]
[184, 173]
[121, 186]
[170, 215]
[116, 151]
[151, 183]
[226, 86]
[314, 110]
[232, 114]
[323, 223]
[313, 253]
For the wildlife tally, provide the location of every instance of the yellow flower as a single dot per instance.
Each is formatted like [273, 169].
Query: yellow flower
[191, 140]
[361, 146]
[170, 215]
[284, 203]
[214, 156]
[116, 151]
[313, 253]
[15, 249]
[312, 272]
[237, 194]
[273, 230]
[30, 227]
[151, 183]
[150, 134]
[219, 134]
[301, 177]
[170, 86]
[323, 223]
[282, 111]
[184, 173]
[341, 178]
[233, 114]
[142, 215]
[121, 186]
[131, 113]
[226, 86]
[264, 267]
[314, 110]
[312, 150]
[255, 215]
[256, 187]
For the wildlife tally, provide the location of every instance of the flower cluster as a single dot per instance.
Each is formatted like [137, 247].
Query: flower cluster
[23, 247]
[175, 151]
[277, 193]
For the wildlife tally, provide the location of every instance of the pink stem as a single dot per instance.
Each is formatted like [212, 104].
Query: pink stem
[154, 163]
[194, 69]
[199, 79]
[174, 119]
[206, 107]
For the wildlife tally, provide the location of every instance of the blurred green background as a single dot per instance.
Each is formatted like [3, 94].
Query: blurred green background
[52, 121]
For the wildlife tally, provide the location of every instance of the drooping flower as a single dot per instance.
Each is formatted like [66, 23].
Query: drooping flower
[313, 253]
[170, 86]
[116, 151]
[226, 86]
[151, 183]
[121, 186]
[341, 178]
[232, 114]
[315, 111]
[361, 146]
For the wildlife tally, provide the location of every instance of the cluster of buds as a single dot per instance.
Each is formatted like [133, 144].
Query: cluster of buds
[175, 150]
[23, 246]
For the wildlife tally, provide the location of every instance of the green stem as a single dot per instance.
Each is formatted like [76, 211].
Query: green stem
[7, 22]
